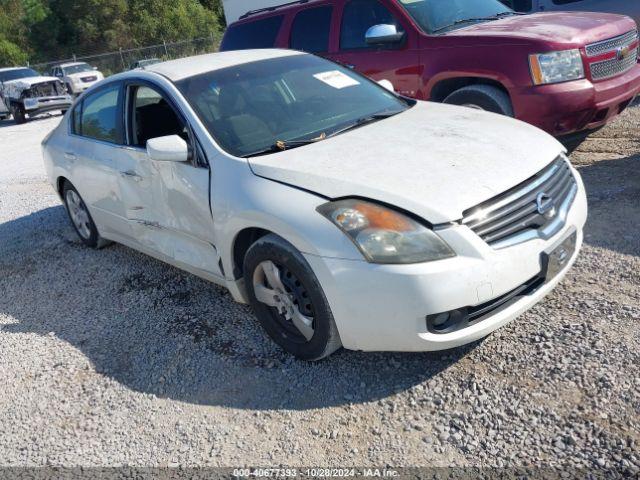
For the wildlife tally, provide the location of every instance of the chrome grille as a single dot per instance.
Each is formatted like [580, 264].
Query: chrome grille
[515, 216]
[612, 44]
[611, 68]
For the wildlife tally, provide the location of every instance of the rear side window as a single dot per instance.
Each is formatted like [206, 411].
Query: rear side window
[258, 34]
[98, 116]
[310, 30]
[359, 16]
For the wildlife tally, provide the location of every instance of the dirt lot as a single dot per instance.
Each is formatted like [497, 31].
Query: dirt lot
[112, 358]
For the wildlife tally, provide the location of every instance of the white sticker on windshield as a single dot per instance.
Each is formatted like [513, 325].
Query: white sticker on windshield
[337, 79]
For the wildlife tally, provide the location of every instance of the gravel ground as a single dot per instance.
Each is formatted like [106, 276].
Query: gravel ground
[112, 358]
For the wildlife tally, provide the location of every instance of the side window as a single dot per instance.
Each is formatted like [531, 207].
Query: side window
[310, 30]
[99, 118]
[258, 34]
[152, 117]
[76, 119]
[358, 17]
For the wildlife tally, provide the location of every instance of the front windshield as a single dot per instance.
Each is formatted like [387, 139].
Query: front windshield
[439, 15]
[17, 74]
[77, 69]
[251, 108]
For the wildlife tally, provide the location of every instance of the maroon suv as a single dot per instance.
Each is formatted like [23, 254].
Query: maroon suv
[567, 73]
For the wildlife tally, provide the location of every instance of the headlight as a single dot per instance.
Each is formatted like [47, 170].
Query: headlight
[555, 67]
[384, 235]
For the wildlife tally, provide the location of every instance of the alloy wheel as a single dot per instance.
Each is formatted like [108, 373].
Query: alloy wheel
[280, 289]
[79, 214]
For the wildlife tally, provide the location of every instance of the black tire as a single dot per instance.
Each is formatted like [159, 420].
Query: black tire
[91, 240]
[19, 115]
[482, 97]
[325, 339]
[63, 112]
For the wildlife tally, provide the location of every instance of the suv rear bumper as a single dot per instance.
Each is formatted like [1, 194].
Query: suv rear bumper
[581, 105]
[36, 106]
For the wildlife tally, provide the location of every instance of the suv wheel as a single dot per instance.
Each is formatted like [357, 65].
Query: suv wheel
[482, 97]
[288, 299]
[18, 113]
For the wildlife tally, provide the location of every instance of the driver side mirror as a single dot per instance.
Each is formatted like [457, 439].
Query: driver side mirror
[168, 149]
[383, 34]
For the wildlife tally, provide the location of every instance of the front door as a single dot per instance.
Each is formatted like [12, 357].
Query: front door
[397, 63]
[167, 203]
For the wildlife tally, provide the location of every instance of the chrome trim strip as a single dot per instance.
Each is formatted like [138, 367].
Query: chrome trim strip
[515, 195]
[544, 233]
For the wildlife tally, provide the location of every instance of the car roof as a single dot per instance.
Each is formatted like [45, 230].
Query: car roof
[283, 8]
[12, 68]
[71, 64]
[182, 68]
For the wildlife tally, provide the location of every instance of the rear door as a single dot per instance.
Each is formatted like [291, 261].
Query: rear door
[95, 142]
[166, 203]
[398, 63]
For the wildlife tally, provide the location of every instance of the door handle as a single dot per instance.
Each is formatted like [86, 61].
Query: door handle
[70, 156]
[131, 174]
[349, 65]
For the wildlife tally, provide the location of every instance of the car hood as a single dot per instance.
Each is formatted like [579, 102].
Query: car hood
[434, 160]
[30, 81]
[575, 28]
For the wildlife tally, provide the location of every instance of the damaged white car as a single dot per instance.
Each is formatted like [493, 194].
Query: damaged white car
[344, 214]
[25, 93]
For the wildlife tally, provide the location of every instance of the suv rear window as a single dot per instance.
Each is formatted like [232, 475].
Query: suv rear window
[258, 34]
[310, 30]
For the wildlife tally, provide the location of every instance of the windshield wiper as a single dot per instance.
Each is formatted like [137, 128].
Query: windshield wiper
[282, 145]
[462, 21]
[363, 121]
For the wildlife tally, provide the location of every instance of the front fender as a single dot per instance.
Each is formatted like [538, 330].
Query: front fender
[281, 209]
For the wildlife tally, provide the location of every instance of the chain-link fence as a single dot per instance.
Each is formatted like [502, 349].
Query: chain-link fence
[115, 62]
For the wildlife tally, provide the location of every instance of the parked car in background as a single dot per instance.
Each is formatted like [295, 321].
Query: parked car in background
[567, 73]
[77, 76]
[622, 7]
[144, 63]
[25, 93]
[343, 213]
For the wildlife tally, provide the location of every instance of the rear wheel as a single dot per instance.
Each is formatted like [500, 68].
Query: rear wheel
[80, 216]
[18, 113]
[288, 299]
[482, 97]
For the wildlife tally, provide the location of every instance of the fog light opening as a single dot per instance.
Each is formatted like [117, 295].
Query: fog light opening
[445, 322]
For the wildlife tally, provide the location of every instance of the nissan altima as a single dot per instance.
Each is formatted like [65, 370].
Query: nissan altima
[344, 214]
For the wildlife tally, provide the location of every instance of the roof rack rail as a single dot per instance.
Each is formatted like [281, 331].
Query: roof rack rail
[271, 9]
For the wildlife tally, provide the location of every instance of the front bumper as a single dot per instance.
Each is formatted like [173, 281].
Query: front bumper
[81, 87]
[385, 307]
[37, 106]
[570, 107]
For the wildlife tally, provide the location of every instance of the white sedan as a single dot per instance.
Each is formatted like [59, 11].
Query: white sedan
[343, 213]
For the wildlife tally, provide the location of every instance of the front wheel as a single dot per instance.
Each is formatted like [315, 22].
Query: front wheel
[288, 299]
[482, 97]
[18, 113]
